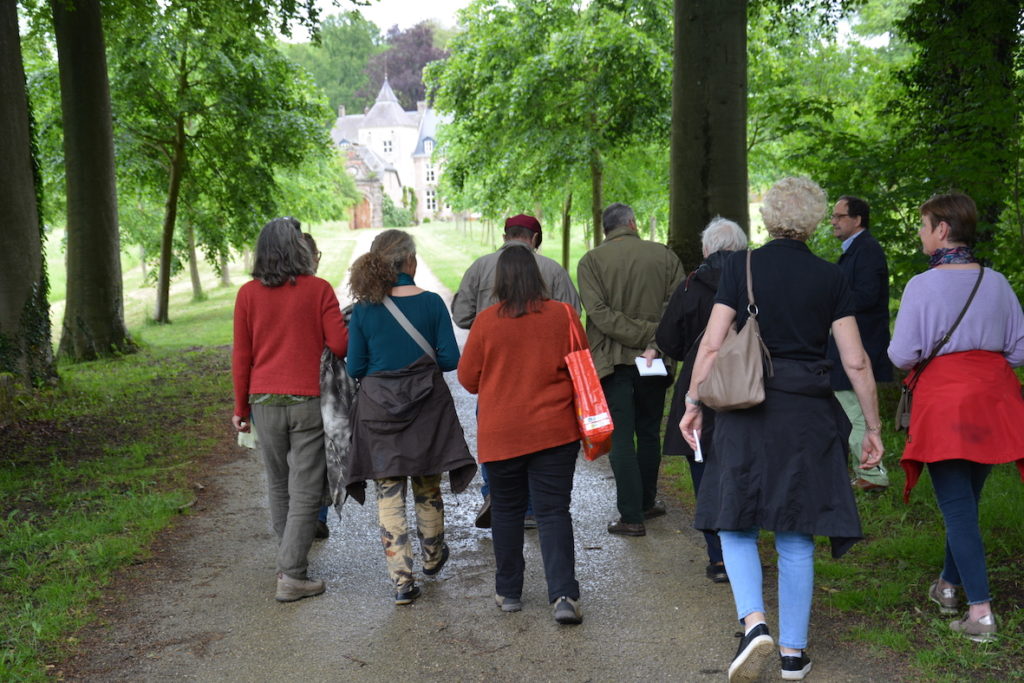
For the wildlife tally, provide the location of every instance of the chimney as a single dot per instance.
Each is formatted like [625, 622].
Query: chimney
[341, 111]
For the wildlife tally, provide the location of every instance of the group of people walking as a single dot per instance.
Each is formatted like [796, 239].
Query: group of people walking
[781, 466]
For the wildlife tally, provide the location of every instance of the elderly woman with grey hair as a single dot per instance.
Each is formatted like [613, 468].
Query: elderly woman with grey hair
[678, 336]
[781, 465]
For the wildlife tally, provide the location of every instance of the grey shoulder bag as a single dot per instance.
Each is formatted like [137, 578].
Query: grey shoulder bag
[736, 378]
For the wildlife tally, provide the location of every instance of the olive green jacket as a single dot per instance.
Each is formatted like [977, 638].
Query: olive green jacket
[625, 283]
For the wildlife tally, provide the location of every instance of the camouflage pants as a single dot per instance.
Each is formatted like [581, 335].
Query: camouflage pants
[394, 530]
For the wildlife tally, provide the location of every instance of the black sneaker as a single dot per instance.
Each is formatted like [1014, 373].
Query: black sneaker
[409, 596]
[445, 552]
[756, 648]
[483, 518]
[795, 667]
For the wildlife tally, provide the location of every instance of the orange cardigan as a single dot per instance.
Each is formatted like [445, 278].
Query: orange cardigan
[517, 366]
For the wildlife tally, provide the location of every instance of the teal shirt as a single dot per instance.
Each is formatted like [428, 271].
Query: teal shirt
[378, 343]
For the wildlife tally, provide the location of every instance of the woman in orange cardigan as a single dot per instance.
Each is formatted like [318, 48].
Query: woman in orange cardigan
[515, 360]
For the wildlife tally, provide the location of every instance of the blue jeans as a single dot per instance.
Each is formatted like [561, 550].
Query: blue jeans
[796, 579]
[710, 537]
[958, 485]
[546, 477]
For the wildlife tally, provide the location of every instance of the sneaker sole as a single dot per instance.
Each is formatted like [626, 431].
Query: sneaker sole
[300, 596]
[508, 607]
[753, 661]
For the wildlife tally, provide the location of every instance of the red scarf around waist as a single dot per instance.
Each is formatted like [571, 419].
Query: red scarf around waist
[967, 406]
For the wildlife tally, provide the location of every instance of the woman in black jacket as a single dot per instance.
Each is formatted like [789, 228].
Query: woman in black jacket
[677, 336]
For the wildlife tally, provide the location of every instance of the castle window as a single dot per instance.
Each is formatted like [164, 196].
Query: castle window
[387, 146]
[430, 173]
[428, 146]
[431, 200]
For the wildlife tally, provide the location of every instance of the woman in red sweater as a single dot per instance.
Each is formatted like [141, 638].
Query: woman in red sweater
[527, 432]
[283, 319]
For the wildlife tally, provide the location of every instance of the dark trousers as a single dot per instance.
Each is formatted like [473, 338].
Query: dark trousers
[545, 477]
[636, 404]
[710, 537]
[958, 485]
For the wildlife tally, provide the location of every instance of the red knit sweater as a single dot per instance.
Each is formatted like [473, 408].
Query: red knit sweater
[517, 366]
[280, 333]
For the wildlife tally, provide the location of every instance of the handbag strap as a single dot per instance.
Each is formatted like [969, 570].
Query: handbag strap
[407, 326]
[751, 304]
[942, 342]
[575, 343]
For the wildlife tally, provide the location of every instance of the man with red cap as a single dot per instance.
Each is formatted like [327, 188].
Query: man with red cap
[476, 293]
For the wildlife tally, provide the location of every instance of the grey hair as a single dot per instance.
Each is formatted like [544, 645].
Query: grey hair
[723, 234]
[617, 215]
[794, 208]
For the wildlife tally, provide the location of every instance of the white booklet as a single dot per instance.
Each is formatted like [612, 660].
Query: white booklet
[657, 367]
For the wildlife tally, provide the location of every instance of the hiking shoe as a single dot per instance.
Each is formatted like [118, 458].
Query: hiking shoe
[291, 589]
[529, 522]
[508, 604]
[981, 631]
[945, 598]
[567, 611]
[445, 552]
[656, 510]
[626, 529]
[756, 649]
[322, 531]
[483, 518]
[717, 573]
[795, 667]
[408, 596]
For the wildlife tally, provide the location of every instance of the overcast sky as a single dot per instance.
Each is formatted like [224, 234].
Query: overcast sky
[387, 13]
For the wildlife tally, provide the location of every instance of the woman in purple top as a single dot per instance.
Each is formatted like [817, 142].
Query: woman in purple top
[967, 402]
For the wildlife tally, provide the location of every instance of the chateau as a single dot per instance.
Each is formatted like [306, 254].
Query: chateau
[389, 150]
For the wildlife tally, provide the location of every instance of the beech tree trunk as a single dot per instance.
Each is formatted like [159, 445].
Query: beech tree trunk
[25, 346]
[94, 315]
[708, 164]
[566, 229]
[225, 271]
[193, 265]
[163, 283]
[597, 193]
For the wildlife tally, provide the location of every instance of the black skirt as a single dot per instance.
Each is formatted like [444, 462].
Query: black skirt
[781, 466]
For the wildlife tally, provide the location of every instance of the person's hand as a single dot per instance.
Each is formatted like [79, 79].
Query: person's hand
[650, 355]
[871, 450]
[693, 420]
[240, 424]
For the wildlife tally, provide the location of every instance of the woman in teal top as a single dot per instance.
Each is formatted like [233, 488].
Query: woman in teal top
[405, 425]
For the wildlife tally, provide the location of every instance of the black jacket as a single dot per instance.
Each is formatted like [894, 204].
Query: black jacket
[678, 336]
[868, 275]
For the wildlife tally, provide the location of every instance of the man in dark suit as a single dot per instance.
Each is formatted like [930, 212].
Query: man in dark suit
[863, 262]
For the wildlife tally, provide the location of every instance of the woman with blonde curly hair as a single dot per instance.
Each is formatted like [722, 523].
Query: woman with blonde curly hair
[781, 465]
[405, 425]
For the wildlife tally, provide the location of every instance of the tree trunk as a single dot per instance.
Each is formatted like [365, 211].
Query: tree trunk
[708, 164]
[94, 315]
[597, 193]
[225, 272]
[193, 265]
[566, 229]
[25, 345]
[652, 227]
[163, 283]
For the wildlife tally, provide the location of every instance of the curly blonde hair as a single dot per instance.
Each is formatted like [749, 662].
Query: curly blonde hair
[373, 274]
[794, 208]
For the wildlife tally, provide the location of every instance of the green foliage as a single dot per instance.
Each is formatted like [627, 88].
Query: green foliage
[395, 216]
[337, 63]
[319, 189]
[535, 89]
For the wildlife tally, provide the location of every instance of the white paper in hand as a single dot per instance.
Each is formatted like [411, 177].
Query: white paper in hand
[657, 368]
[698, 456]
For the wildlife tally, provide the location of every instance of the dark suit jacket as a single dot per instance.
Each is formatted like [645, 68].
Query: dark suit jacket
[868, 274]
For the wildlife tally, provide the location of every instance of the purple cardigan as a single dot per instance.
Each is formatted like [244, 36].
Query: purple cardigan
[933, 300]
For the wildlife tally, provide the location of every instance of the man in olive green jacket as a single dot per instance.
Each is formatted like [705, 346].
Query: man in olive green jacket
[625, 283]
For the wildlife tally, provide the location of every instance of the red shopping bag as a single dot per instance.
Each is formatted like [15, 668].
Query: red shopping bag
[592, 414]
